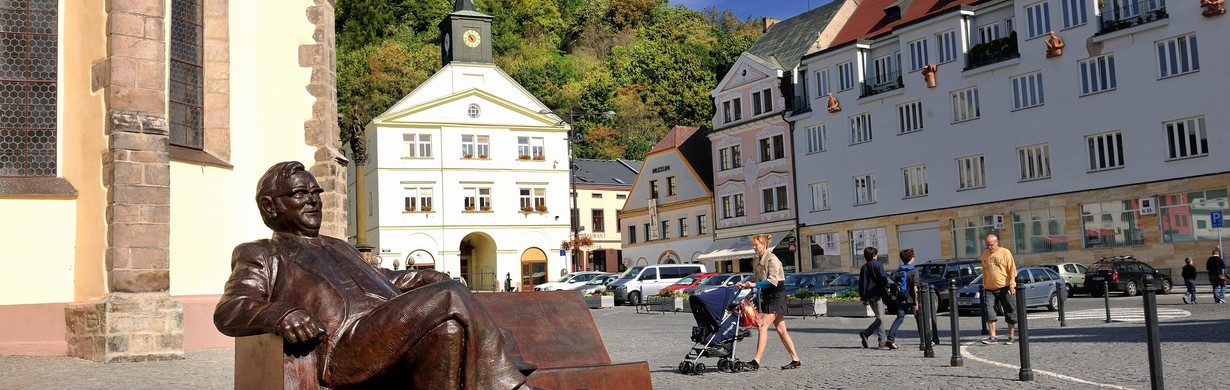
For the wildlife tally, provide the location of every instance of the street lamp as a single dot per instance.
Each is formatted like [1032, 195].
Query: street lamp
[575, 224]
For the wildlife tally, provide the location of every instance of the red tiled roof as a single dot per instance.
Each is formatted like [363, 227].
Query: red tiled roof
[674, 138]
[868, 19]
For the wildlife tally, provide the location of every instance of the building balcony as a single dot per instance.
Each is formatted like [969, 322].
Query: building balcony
[998, 50]
[877, 84]
[1126, 15]
[800, 105]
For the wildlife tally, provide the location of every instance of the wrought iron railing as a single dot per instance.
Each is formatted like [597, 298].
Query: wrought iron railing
[1121, 15]
[880, 83]
[998, 50]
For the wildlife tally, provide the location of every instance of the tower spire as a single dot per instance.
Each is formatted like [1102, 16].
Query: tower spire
[464, 5]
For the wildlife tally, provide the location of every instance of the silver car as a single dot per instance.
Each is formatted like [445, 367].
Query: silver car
[597, 284]
[716, 281]
[1041, 289]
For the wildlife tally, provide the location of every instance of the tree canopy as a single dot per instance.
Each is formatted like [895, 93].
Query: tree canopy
[653, 64]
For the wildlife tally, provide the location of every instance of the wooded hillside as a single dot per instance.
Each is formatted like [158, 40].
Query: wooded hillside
[654, 65]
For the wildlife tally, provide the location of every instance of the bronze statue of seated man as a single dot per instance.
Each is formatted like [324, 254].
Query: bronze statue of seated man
[370, 327]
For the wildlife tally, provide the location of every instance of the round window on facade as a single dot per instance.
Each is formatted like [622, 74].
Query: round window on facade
[473, 110]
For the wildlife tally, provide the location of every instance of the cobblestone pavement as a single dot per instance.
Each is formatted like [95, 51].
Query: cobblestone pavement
[1087, 353]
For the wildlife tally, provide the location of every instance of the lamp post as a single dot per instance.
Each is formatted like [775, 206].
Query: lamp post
[575, 223]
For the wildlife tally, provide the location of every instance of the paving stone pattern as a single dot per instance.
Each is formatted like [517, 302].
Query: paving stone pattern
[1087, 354]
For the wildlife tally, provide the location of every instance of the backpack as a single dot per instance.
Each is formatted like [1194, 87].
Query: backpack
[902, 277]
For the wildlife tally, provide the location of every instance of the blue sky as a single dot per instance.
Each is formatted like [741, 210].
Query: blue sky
[781, 9]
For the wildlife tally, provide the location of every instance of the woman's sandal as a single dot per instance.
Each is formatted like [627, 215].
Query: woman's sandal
[793, 365]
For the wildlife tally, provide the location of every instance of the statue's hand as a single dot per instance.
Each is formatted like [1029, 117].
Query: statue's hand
[298, 327]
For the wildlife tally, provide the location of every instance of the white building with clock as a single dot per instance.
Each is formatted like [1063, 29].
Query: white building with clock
[464, 175]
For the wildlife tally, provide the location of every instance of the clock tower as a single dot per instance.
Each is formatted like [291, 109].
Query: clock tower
[465, 35]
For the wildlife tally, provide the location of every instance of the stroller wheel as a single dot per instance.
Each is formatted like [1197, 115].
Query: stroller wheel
[738, 366]
[723, 364]
[685, 367]
[698, 369]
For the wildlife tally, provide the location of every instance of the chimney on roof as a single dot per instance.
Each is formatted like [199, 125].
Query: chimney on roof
[769, 22]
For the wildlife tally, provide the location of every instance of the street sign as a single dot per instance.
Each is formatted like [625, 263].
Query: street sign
[1216, 216]
[792, 247]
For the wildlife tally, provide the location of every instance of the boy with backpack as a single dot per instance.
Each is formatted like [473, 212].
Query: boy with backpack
[905, 285]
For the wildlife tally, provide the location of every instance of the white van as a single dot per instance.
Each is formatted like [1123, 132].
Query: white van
[645, 280]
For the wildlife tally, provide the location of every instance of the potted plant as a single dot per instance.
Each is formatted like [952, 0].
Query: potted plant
[805, 303]
[540, 157]
[668, 301]
[485, 208]
[469, 208]
[523, 157]
[410, 209]
[600, 300]
[467, 155]
[542, 208]
[847, 304]
[426, 208]
[526, 209]
[482, 157]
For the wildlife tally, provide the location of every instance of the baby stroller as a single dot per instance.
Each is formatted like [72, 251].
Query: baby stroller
[716, 331]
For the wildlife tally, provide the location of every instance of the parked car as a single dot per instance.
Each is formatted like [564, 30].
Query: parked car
[810, 281]
[568, 281]
[645, 280]
[1041, 289]
[720, 280]
[689, 281]
[597, 284]
[937, 272]
[1073, 275]
[839, 284]
[1123, 273]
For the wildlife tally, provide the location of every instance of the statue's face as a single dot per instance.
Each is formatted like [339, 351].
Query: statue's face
[298, 206]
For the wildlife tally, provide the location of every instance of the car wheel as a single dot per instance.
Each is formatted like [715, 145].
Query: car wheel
[1165, 287]
[634, 298]
[1130, 290]
[1053, 303]
[940, 306]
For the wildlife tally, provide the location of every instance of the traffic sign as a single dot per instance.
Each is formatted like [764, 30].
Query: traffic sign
[1216, 217]
[792, 247]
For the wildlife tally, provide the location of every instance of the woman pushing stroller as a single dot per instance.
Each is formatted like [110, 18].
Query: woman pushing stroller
[769, 277]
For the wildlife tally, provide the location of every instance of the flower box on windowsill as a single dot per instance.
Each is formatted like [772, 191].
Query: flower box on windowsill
[523, 157]
[540, 208]
[485, 208]
[540, 158]
[467, 156]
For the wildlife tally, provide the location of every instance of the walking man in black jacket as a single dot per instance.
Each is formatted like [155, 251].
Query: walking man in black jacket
[871, 286]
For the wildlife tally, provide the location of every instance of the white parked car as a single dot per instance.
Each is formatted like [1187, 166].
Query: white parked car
[568, 281]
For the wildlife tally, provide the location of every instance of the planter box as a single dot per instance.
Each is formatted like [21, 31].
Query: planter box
[807, 307]
[848, 309]
[600, 301]
[666, 304]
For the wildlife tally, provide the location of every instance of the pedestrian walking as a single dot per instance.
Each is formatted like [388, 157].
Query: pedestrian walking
[905, 284]
[999, 281]
[1216, 266]
[1189, 280]
[770, 279]
[871, 288]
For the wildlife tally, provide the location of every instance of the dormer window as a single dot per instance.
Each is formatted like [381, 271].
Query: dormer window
[892, 13]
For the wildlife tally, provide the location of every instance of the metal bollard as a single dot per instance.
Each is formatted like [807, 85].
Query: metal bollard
[982, 297]
[955, 333]
[1151, 332]
[1063, 296]
[1106, 298]
[1022, 329]
[925, 332]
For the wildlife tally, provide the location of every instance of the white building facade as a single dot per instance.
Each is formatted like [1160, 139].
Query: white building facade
[1066, 158]
[668, 217]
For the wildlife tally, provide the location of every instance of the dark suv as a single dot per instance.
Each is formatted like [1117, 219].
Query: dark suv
[937, 272]
[1123, 273]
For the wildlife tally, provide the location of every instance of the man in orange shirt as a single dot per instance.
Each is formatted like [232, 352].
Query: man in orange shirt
[999, 284]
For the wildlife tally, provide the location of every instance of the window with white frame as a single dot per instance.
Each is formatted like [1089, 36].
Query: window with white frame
[417, 145]
[762, 102]
[1027, 91]
[1075, 13]
[947, 45]
[476, 198]
[845, 76]
[884, 70]
[861, 239]
[1105, 150]
[1039, 16]
[729, 158]
[1098, 74]
[530, 147]
[774, 199]
[665, 230]
[965, 105]
[820, 196]
[597, 220]
[1177, 56]
[732, 206]
[533, 198]
[822, 82]
[757, 109]
[670, 186]
[988, 32]
[683, 227]
[1186, 138]
[910, 116]
[772, 148]
[860, 128]
[915, 180]
[1009, 25]
[1035, 162]
[418, 198]
[653, 189]
[971, 172]
[864, 189]
[816, 138]
[918, 54]
[475, 146]
[732, 110]
[702, 224]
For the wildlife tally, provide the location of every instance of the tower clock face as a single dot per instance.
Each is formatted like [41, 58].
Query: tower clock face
[447, 41]
[471, 38]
